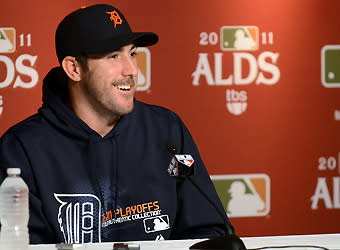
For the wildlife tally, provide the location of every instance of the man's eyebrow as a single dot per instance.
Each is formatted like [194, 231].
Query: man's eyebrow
[121, 49]
[133, 47]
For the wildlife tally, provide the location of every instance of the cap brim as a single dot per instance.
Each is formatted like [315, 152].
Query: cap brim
[145, 39]
[140, 39]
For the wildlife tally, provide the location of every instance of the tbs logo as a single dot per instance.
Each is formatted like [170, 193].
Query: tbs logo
[236, 101]
[330, 66]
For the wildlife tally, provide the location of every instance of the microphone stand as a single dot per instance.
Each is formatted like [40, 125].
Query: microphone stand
[230, 241]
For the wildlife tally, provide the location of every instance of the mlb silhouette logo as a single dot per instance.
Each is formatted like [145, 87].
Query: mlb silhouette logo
[234, 38]
[7, 40]
[155, 224]
[144, 69]
[330, 66]
[245, 195]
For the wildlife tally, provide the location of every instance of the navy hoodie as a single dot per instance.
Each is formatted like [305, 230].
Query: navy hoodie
[85, 188]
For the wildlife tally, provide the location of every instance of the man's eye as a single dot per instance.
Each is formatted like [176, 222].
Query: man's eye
[133, 54]
[114, 56]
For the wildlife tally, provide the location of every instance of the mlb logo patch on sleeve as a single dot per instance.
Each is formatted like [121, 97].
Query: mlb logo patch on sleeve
[330, 66]
[7, 40]
[155, 224]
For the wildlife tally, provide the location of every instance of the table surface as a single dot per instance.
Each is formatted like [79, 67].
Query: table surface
[330, 241]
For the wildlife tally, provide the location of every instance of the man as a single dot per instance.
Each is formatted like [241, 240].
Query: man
[94, 158]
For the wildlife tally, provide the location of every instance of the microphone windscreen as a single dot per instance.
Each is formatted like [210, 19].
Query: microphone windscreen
[171, 147]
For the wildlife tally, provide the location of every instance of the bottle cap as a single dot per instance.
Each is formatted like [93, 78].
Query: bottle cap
[13, 171]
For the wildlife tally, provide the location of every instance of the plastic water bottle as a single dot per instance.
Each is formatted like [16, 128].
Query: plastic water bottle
[14, 212]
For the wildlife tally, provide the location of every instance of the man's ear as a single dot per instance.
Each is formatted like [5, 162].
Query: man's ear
[72, 68]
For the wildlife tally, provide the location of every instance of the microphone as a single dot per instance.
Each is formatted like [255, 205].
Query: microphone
[182, 166]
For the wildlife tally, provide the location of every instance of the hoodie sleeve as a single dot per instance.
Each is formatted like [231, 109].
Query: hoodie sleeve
[12, 155]
[196, 217]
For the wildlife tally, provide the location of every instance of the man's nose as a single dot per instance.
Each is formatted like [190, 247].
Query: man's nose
[130, 67]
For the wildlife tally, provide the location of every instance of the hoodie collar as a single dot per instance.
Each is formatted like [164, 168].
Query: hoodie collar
[55, 110]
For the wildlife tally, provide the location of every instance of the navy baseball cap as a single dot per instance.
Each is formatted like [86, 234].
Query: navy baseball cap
[97, 29]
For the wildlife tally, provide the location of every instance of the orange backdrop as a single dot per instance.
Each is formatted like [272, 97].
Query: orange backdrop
[262, 109]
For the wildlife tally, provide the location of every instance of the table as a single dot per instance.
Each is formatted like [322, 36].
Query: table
[330, 241]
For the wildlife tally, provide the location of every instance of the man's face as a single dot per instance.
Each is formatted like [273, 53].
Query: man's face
[110, 82]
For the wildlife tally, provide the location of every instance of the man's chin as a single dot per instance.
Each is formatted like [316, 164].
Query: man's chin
[127, 110]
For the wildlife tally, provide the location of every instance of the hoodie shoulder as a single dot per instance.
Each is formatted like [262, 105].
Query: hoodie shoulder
[157, 111]
[32, 126]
